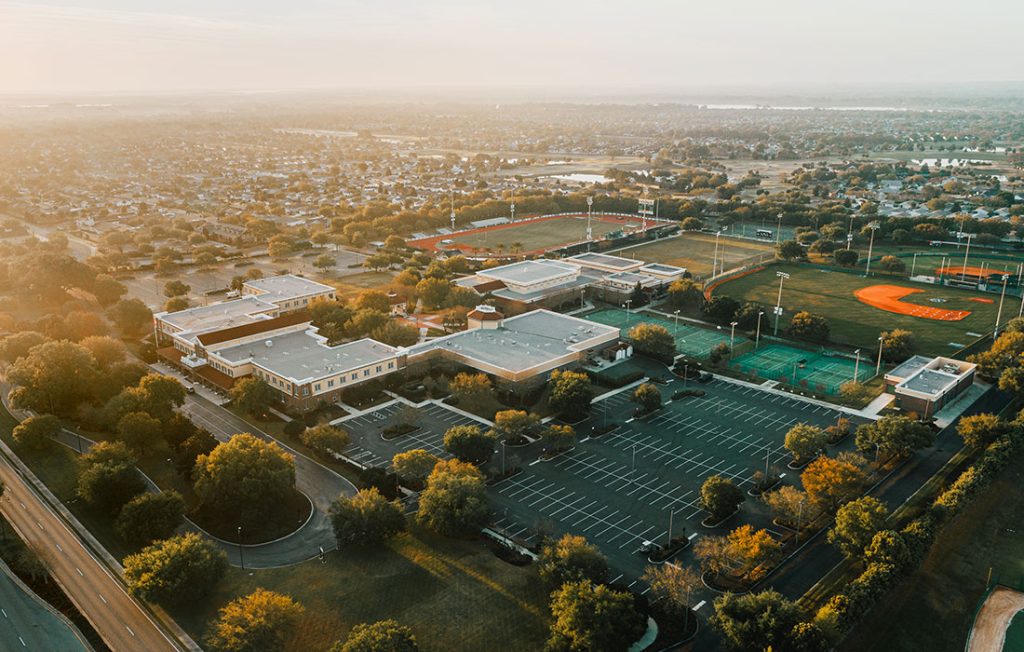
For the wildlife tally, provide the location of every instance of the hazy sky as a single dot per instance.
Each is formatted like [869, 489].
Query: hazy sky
[158, 45]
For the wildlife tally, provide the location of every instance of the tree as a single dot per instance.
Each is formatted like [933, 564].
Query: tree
[755, 621]
[888, 547]
[107, 290]
[754, 551]
[324, 262]
[107, 478]
[856, 524]
[105, 350]
[54, 377]
[571, 394]
[139, 431]
[254, 395]
[412, 467]
[804, 442]
[37, 432]
[808, 326]
[381, 636]
[685, 293]
[593, 618]
[898, 345]
[325, 439]
[280, 246]
[808, 637]
[19, 344]
[559, 437]
[831, 482]
[188, 451]
[176, 288]
[150, 517]
[366, 518]
[720, 497]
[155, 394]
[571, 559]
[131, 316]
[373, 300]
[791, 250]
[720, 309]
[515, 426]
[845, 257]
[789, 506]
[259, 622]
[979, 430]
[471, 390]
[653, 340]
[648, 397]
[178, 570]
[176, 304]
[455, 500]
[432, 292]
[673, 583]
[892, 264]
[893, 435]
[396, 333]
[245, 477]
[470, 444]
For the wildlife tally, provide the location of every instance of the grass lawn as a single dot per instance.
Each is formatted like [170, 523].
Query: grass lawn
[354, 284]
[933, 608]
[830, 293]
[696, 252]
[455, 595]
[539, 235]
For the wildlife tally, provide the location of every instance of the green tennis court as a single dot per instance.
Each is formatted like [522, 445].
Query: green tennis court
[691, 340]
[823, 372]
[1015, 634]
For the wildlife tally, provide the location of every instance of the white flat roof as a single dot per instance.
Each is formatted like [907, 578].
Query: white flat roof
[227, 314]
[522, 342]
[528, 272]
[286, 286]
[605, 260]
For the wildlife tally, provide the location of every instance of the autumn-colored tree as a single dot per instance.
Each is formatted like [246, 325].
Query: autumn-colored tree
[831, 482]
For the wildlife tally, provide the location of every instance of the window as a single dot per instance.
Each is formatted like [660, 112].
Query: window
[316, 387]
[366, 372]
[330, 383]
[378, 368]
[391, 365]
[355, 376]
[305, 391]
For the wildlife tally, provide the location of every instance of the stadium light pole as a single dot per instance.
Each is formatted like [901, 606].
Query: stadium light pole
[590, 213]
[1020, 313]
[913, 265]
[757, 340]
[778, 304]
[513, 206]
[676, 332]
[874, 227]
[999, 313]
[967, 252]
[628, 301]
[849, 234]
[714, 262]
[778, 231]
[856, 367]
[878, 366]
[452, 191]
[732, 336]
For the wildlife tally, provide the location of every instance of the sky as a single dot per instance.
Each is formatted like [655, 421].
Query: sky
[108, 46]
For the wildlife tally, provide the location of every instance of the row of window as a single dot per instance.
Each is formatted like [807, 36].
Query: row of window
[355, 376]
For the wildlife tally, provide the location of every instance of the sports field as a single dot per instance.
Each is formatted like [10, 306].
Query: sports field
[531, 236]
[823, 372]
[831, 293]
[691, 340]
[696, 252]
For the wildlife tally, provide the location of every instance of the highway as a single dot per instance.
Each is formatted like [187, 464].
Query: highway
[118, 619]
[27, 623]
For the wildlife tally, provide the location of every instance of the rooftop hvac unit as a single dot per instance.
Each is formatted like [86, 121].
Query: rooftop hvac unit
[269, 343]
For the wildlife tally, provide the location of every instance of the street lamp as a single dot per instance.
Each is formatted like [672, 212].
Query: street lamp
[874, 227]
[241, 555]
[732, 336]
[878, 367]
[757, 340]
[778, 304]
[677, 323]
[999, 313]
[628, 301]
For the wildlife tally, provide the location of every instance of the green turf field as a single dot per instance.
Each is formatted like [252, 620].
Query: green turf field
[696, 252]
[1015, 634]
[691, 340]
[823, 372]
[830, 293]
[539, 235]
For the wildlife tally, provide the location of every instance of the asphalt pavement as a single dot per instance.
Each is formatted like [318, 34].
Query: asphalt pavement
[28, 623]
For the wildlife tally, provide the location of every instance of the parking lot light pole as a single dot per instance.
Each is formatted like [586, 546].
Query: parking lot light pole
[778, 303]
[632, 470]
[671, 514]
[757, 340]
[999, 313]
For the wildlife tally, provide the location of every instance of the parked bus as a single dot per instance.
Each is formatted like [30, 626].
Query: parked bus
[765, 233]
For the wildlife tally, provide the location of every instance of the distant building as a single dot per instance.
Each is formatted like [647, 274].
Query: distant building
[925, 385]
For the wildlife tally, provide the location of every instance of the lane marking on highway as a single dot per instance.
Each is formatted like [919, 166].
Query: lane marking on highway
[700, 604]
[22, 505]
[22, 642]
[129, 630]
[40, 525]
[102, 598]
[59, 548]
[5, 612]
[79, 571]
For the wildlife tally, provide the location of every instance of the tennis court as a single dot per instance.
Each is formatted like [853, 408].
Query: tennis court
[693, 341]
[823, 372]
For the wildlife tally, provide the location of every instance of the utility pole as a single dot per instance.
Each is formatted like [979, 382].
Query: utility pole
[778, 231]
[778, 304]
[732, 336]
[849, 234]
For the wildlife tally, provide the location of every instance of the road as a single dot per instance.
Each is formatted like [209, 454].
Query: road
[320, 484]
[28, 623]
[119, 620]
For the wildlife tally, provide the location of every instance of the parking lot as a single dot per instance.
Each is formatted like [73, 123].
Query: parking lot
[368, 447]
[624, 487]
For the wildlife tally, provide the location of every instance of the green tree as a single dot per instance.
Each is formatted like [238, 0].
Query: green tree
[898, 345]
[244, 476]
[373, 300]
[808, 326]
[395, 333]
[324, 262]
[54, 378]
[150, 517]
[571, 394]
[685, 294]
[559, 437]
[131, 316]
[790, 506]
[845, 257]
[37, 432]
[571, 559]
[176, 288]
[791, 250]
[755, 621]
[720, 497]
[139, 431]
[155, 394]
[979, 430]
[856, 524]
[892, 264]
[673, 583]
[19, 344]
[412, 467]
[471, 390]
[178, 570]
[188, 451]
[381, 636]
[593, 618]
[893, 435]
[648, 397]
[107, 478]
[470, 444]
[720, 309]
[176, 304]
[367, 518]
[254, 395]
[432, 292]
[455, 500]
[325, 438]
[259, 622]
[804, 442]
[515, 425]
[888, 547]
[653, 340]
